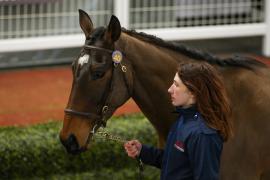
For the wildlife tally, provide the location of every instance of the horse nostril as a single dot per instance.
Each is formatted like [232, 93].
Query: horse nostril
[72, 145]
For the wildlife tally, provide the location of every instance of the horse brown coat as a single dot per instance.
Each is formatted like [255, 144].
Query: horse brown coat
[151, 65]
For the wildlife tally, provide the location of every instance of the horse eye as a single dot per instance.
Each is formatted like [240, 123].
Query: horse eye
[97, 75]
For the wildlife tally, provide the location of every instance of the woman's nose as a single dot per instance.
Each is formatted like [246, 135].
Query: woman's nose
[170, 90]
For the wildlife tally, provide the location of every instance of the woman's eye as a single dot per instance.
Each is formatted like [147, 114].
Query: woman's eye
[97, 75]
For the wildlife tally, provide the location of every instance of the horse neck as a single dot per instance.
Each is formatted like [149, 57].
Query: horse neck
[149, 59]
[153, 72]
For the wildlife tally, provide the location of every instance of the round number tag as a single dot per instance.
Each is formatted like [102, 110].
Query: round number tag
[117, 56]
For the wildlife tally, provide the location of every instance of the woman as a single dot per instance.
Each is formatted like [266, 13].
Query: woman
[195, 141]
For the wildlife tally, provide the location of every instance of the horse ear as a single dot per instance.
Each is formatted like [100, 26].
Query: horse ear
[85, 23]
[114, 29]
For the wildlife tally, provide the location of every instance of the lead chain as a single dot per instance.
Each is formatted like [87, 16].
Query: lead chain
[107, 136]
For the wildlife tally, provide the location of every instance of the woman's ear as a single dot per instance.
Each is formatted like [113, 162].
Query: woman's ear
[193, 98]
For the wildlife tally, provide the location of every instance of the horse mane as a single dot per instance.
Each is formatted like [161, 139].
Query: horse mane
[236, 60]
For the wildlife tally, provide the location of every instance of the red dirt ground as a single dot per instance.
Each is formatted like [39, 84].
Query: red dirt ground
[40, 95]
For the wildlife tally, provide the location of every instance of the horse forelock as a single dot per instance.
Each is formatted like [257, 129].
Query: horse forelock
[235, 61]
[96, 34]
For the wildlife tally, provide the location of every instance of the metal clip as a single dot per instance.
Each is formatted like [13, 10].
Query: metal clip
[94, 129]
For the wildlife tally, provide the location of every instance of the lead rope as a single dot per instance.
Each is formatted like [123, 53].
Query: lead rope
[107, 136]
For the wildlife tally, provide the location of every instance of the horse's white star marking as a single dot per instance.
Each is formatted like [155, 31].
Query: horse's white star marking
[84, 59]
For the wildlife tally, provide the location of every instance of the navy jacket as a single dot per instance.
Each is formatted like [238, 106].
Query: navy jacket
[192, 150]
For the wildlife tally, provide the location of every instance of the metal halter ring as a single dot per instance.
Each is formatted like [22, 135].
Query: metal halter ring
[124, 68]
[105, 109]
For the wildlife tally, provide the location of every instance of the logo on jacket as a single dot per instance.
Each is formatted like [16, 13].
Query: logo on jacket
[179, 145]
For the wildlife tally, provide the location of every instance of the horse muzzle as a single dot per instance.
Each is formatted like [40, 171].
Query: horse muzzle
[72, 145]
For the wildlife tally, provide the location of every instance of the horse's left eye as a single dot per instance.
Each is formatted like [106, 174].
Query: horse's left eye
[97, 75]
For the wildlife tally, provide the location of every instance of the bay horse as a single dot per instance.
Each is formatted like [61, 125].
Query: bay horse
[116, 64]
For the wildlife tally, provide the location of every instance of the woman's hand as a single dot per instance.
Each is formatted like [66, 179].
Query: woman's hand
[133, 148]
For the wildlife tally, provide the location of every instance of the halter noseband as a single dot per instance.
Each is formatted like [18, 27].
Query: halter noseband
[99, 119]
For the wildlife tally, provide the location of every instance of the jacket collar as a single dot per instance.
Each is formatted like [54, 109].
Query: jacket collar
[188, 113]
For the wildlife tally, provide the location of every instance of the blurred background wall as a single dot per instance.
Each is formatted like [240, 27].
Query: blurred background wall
[47, 32]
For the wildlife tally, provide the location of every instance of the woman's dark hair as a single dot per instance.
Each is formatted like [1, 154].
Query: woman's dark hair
[205, 83]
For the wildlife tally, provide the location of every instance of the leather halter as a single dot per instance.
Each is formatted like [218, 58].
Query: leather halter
[97, 48]
[99, 119]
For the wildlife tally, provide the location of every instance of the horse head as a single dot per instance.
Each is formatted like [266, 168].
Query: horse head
[102, 82]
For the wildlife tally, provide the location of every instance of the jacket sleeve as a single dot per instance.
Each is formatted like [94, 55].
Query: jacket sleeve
[151, 156]
[204, 151]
